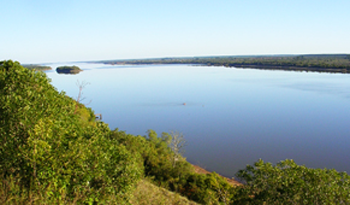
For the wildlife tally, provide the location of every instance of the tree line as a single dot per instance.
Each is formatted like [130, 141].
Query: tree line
[339, 63]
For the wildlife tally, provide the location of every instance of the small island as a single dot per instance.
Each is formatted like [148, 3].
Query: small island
[68, 69]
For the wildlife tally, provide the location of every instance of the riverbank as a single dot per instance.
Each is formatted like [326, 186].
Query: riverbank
[292, 68]
[200, 170]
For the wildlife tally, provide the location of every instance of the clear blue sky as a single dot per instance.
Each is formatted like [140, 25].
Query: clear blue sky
[39, 31]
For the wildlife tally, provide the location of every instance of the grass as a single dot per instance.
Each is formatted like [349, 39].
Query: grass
[147, 193]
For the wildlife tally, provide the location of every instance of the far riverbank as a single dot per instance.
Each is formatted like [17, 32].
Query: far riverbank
[331, 63]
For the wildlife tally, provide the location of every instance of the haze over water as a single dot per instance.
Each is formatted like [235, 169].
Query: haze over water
[230, 117]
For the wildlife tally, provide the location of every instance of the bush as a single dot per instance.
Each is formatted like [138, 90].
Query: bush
[289, 183]
[156, 155]
[207, 189]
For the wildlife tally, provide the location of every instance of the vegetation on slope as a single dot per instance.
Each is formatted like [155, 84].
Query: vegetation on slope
[54, 152]
[158, 161]
[49, 153]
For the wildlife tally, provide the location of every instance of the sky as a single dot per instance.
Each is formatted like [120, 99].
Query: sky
[44, 31]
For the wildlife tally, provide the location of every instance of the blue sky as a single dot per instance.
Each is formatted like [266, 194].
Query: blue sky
[41, 31]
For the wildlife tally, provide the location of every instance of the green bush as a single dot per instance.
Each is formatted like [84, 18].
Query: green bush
[289, 183]
[207, 189]
[156, 155]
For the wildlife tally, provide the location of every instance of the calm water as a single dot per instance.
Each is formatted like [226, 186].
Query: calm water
[231, 117]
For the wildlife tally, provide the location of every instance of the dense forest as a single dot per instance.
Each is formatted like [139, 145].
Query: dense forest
[339, 63]
[54, 151]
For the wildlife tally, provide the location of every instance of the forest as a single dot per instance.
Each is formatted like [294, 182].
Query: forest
[334, 63]
[54, 151]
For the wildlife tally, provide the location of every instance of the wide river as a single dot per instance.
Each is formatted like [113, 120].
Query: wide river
[230, 117]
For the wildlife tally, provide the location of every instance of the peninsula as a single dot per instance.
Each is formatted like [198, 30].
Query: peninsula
[37, 67]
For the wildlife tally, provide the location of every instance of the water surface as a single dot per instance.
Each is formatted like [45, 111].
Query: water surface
[230, 117]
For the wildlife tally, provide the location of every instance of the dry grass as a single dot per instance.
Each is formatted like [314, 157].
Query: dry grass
[147, 194]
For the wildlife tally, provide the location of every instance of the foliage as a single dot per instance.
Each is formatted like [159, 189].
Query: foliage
[48, 148]
[207, 189]
[157, 159]
[156, 155]
[289, 183]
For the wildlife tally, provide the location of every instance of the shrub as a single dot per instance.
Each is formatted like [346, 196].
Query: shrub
[289, 183]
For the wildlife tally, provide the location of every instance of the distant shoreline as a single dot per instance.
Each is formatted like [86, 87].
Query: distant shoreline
[337, 63]
[254, 66]
[293, 68]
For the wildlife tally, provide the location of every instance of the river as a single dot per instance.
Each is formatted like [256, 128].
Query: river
[230, 117]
